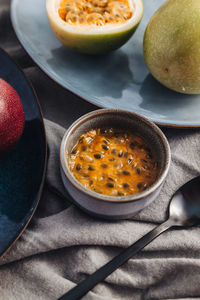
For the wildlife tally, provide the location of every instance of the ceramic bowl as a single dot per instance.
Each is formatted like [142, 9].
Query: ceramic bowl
[110, 207]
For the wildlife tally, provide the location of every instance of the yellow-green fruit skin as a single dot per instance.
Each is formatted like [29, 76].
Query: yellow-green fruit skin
[97, 40]
[172, 45]
[92, 43]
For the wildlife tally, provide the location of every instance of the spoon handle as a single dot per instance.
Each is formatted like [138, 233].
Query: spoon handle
[86, 285]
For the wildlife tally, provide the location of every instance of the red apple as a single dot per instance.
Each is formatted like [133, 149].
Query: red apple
[12, 116]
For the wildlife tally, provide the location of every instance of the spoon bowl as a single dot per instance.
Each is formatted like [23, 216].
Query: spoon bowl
[184, 207]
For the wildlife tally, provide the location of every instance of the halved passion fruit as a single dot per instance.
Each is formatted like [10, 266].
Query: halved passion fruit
[94, 26]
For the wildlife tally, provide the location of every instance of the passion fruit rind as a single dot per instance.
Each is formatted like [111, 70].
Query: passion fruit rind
[171, 46]
[92, 41]
[92, 44]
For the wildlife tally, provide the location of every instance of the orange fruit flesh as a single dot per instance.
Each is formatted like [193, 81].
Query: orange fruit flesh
[94, 12]
[113, 163]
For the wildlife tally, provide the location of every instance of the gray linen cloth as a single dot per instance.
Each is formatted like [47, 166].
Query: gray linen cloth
[62, 245]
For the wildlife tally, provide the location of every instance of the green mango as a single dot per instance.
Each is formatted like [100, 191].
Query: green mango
[172, 45]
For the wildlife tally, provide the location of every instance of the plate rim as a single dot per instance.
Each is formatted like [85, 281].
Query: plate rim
[70, 88]
[40, 190]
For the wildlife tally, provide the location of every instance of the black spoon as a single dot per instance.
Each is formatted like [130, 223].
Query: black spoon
[184, 210]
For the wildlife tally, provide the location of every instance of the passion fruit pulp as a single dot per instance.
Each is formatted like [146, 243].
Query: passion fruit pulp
[94, 26]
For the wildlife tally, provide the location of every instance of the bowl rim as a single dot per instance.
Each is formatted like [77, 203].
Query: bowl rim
[133, 197]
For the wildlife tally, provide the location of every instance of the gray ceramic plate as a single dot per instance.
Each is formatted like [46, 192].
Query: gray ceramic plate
[117, 80]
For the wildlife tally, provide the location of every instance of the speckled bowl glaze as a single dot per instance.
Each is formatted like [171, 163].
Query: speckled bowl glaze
[106, 206]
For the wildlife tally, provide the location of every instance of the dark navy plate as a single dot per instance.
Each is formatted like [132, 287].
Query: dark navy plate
[22, 170]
